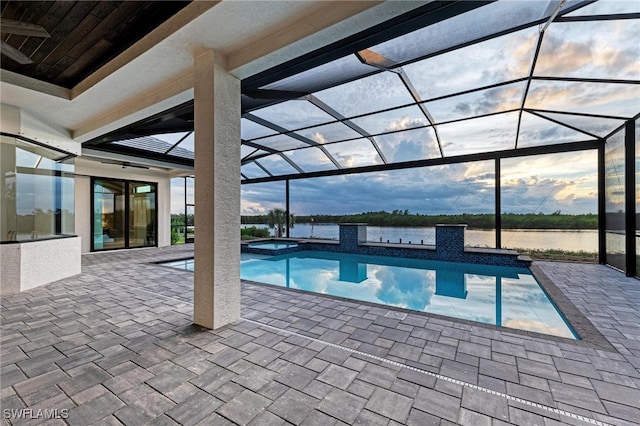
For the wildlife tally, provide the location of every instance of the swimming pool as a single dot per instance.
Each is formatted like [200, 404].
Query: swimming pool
[273, 245]
[503, 296]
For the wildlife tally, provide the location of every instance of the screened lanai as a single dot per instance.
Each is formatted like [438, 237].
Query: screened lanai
[447, 83]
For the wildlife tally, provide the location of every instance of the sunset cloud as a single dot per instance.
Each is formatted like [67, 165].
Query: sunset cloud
[406, 122]
[318, 137]
[576, 50]
[547, 183]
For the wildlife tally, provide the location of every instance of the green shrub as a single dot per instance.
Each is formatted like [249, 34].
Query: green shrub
[254, 232]
[175, 237]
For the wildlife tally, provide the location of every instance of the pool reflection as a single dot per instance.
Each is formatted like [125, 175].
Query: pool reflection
[494, 295]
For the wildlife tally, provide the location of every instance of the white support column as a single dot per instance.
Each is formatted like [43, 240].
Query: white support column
[217, 193]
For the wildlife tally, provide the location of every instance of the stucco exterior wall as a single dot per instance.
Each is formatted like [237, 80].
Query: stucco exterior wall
[10, 270]
[32, 264]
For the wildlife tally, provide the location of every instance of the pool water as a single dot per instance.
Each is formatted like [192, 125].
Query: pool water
[503, 296]
[186, 264]
[273, 245]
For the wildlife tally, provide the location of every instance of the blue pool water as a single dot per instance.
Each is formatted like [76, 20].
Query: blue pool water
[504, 296]
[273, 245]
[186, 264]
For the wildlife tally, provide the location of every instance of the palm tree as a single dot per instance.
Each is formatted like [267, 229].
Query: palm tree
[276, 218]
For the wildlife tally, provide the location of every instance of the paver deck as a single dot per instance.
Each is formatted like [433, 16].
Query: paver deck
[116, 345]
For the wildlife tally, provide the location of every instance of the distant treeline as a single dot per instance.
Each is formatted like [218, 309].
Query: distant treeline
[403, 218]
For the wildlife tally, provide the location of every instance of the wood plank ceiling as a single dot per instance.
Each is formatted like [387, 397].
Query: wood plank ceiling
[84, 35]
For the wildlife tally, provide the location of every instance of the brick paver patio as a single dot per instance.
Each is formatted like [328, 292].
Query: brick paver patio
[115, 345]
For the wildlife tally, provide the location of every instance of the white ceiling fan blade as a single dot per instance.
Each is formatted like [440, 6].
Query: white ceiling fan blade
[13, 53]
[22, 28]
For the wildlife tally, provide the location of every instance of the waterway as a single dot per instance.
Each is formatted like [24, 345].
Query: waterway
[570, 240]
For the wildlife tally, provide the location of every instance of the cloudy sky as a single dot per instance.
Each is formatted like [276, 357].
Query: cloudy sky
[565, 182]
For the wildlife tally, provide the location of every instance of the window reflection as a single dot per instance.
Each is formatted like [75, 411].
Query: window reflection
[615, 200]
[38, 192]
[124, 214]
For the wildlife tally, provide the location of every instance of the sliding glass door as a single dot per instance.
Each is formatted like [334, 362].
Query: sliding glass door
[142, 214]
[124, 214]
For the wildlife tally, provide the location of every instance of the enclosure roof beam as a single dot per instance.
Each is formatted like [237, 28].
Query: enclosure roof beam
[335, 114]
[483, 156]
[283, 131]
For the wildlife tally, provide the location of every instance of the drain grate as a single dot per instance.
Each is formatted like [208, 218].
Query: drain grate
[396, 315]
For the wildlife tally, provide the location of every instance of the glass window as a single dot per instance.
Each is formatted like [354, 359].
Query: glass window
[615, 201]
[182, 208]
[191, 228]
[108, 214]
[190, 183]
[142, 214]
[124, 214]
[38, 192]
[178, 207]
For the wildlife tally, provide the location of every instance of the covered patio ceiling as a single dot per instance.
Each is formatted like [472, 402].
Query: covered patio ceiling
[447, 82]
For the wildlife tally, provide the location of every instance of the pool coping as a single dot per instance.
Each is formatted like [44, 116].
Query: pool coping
[589, 334]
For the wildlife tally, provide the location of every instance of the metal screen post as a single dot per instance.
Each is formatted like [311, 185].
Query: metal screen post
[630, 196]
[602, 206]
[287, 213]
[498, 206]
[185, 210]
